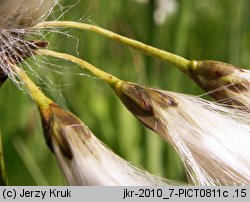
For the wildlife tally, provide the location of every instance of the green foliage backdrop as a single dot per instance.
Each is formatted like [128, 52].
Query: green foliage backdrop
[198, 29]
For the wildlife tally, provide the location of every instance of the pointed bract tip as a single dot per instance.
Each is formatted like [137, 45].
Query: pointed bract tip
[143, 102]
[135, 98]
[138, 99]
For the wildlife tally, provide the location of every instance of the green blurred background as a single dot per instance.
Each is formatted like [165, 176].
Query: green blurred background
[195, 29]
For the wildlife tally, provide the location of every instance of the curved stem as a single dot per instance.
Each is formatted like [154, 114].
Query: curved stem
[180, 62]
[108, 78]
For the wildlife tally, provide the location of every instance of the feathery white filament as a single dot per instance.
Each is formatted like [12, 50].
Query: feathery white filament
[213, 141]
[94, 164]
[241, 96]
[16, 18]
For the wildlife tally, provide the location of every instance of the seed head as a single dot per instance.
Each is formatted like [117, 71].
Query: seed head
[212, 140]
[83, 158]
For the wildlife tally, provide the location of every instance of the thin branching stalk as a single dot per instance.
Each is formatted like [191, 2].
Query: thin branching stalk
[40, 99]
[224, 82]
[180, 62]
[108, 78]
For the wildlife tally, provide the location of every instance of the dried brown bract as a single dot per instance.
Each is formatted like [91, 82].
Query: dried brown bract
[226, 83]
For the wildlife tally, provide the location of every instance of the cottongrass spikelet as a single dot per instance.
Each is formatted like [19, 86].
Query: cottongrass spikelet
[84, 159]
[212, 140]
[16, 19]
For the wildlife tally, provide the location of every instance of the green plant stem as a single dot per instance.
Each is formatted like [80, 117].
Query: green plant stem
[41, 100]
[181, 63]
[3, 177]
[108, 78]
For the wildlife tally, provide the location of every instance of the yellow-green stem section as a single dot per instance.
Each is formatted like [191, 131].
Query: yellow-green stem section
[3, 177]
[108, 78]
[180, 62]
[41, 100]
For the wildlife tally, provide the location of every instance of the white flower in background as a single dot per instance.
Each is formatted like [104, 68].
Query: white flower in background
[164, 9]
[212, 140]
[142, 1]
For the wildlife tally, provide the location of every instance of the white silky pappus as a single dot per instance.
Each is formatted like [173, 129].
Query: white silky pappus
[16, 19]
[24, 13]
[212, 140]
[84, 159]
